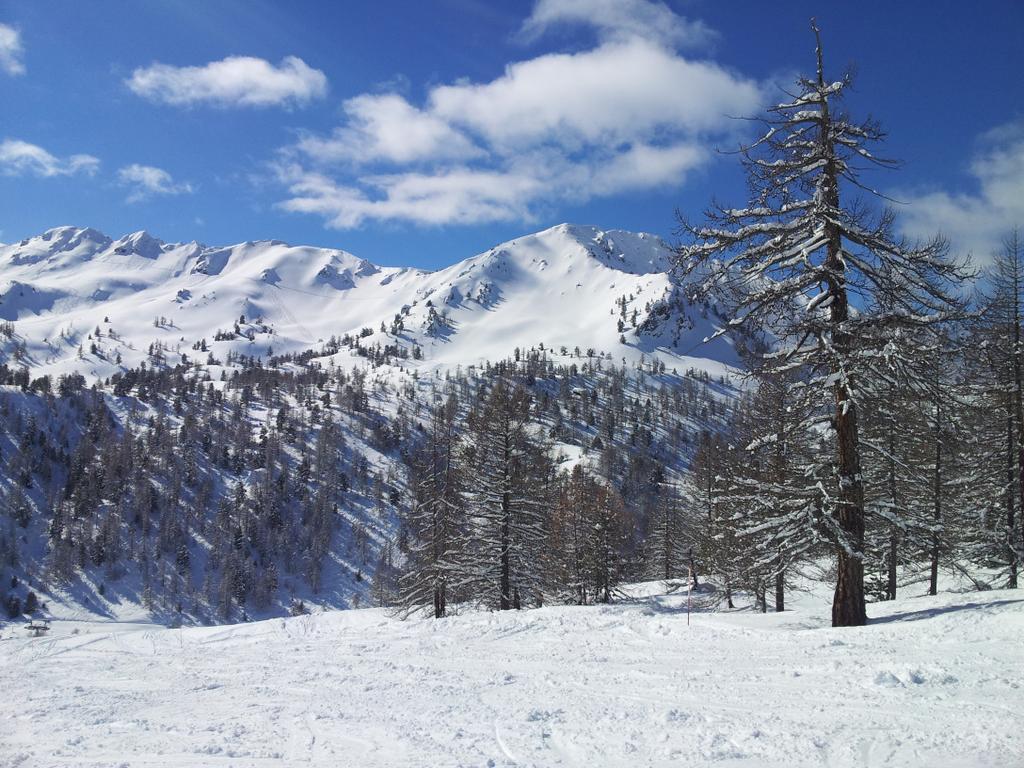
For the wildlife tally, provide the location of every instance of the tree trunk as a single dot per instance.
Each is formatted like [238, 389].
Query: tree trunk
[894, 543]
[439, 602]
[667, 543]
[780, 591]
[1018, 407]
[933, 583]
[848, 602]
[1010, 493]
[606, 582]
[506, 563]
[894, 531]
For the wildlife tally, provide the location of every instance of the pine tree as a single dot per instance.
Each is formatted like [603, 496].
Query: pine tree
[712, 529]
[817, 272]
[946, 462]
[502, 554]
[915, 459]
[437, 518]
[772, 487]
[608, 533]
[667, 546]
[587, 532]
[999, 361]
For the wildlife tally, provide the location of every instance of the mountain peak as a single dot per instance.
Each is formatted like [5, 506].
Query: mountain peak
[140, 243]
[636, 253]
[58, 245]
[66, 237]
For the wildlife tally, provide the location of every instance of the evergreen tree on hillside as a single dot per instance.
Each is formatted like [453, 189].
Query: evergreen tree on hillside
[711, 527]
[503, 554]
[587, 529]
[667, 545]
[436, 520]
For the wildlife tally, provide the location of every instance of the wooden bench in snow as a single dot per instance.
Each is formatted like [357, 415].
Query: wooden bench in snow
[37, 627]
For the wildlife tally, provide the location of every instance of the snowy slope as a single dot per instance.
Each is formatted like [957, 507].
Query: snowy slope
[566, 286]
[930, 682]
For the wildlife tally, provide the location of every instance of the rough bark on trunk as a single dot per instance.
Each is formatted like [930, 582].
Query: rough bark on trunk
[848, 608]
[848, 603]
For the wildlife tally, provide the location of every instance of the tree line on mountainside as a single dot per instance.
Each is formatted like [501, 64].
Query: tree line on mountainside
[217, 497]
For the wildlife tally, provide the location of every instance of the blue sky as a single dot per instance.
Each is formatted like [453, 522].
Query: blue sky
[420, 133]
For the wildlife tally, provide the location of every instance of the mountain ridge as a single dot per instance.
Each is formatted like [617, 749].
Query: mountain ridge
[81, 300]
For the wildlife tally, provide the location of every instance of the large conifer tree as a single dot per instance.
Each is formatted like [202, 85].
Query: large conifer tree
[437, 518]
[502, 556]
[811, 265]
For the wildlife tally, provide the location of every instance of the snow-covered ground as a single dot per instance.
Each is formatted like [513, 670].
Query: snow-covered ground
[930, 682]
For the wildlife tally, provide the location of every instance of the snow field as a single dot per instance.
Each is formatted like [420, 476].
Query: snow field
[930, 682]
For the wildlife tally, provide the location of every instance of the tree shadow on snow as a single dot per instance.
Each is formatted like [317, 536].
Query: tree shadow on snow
[928, 613]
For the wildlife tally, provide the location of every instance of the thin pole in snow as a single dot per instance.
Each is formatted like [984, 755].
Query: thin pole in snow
[689, 582]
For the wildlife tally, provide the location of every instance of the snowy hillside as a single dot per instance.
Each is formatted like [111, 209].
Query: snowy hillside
[82, 301]
[244, 435]
[932, 681]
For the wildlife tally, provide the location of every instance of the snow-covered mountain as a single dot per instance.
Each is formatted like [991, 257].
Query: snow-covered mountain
[312, 367]
[571, 286]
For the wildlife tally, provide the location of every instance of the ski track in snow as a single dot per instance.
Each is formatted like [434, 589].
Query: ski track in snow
[931, 682]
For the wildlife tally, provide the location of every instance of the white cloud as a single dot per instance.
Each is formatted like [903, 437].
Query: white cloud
[19, 158]
[452, 196]
[147, 181]
[617, 20]
[643, 166]
[11, 51]
[387, 127]
[976, 222]
[465, 195]
[628, 113]
[613, 93]
[237, 81]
